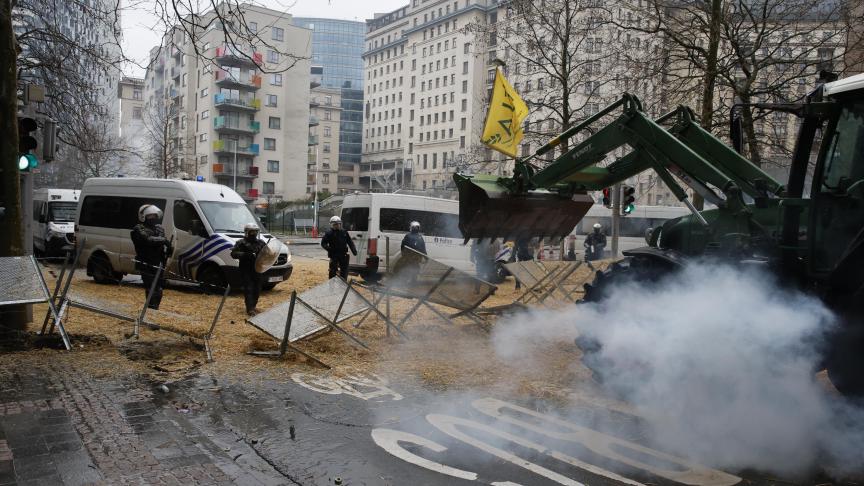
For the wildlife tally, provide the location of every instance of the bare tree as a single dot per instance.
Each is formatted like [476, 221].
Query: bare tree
[166, 142]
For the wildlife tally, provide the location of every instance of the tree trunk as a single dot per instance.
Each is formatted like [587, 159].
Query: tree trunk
[750, 133]
[707, 113]
[10, 189]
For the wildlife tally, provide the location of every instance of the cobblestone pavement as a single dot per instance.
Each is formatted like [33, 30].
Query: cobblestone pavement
[61, 426]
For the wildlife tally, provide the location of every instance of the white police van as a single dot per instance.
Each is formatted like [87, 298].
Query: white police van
[372, 218]
[54, 221]
[203, 221]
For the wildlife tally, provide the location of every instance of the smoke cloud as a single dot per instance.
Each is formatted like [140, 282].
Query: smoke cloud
[721, 364]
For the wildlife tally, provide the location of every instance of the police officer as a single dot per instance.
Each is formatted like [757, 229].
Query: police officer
[523, 252]
[246, 250]
[151, 250]
[408, 266]
[595, 242]
[414, 239]
[337, 242]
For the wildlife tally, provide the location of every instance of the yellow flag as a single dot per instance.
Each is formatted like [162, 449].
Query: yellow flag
[503, 130]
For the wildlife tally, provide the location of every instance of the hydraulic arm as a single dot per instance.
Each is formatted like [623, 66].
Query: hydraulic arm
[551, 201]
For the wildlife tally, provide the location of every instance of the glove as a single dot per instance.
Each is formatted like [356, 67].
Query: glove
[354, 253]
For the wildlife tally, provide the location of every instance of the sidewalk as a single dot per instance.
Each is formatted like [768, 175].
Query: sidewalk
[58, 425]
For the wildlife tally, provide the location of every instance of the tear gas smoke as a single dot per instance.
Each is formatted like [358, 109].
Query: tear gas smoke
[721, 363]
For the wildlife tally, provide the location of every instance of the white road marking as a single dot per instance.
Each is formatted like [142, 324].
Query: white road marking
[605, 445]
[348, 385]
[449, 425]
[389, 439]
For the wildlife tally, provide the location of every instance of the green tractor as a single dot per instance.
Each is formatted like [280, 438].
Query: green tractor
[816, 242]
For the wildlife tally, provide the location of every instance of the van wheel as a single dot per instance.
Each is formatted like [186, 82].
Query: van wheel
[99, 267]
[212, 279]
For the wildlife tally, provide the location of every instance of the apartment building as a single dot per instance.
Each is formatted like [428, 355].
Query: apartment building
[322, 170]
[237, 114]
[130, 91]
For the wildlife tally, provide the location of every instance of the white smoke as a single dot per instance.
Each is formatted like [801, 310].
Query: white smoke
[721, 362]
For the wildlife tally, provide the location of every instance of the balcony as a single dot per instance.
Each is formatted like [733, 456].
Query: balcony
[313, 121]
[173, 93]
[159, 63]
[224, 79]
[227, 170]
[176, 52]
[313, 102]
[229, 55]
[175, 72]
[224, 124]
[229, 147]
[222, 101]
[251, 194]
[313, 139]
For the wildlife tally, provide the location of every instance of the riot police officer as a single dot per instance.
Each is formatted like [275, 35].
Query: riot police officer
[152, 249]
[246, 250]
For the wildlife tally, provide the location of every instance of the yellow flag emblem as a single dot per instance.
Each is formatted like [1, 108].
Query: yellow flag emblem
[503, 130]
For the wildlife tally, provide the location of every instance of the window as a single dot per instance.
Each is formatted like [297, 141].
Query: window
[205, 114]
[462, 142]
[202, 137]
[275, 122]
[276, 79]
[277, 34]
[356, 219]
[466, 47]
[396, 220]
[465, 86]
[272, 166]
[271, 100]
[253, 26]
[326, 148]
[204, 93]
[272, 56]
[326, 131]
[114, 211]
[269, 144]
[136, 93]
[465, 67]
[136, 113]
[203, 160]
[328, 100]
[269, 188]
[186, 218]
[464, 123]
[464, 105]
[327, 115]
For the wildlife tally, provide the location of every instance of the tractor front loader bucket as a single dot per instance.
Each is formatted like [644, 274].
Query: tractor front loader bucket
[488, 210]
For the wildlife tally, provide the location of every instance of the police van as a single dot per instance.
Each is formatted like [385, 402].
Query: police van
[203, 221]
[372, 218]
[54, 221]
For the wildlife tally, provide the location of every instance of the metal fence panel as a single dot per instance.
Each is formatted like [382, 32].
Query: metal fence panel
[327, 297]
[304, 322]
[417, 274]
[20, 282]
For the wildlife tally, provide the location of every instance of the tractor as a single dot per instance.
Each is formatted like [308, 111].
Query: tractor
[814, 241]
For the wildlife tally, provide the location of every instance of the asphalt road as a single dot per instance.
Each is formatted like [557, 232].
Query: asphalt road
[324, 430]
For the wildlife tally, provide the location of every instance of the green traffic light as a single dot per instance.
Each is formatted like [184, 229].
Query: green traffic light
[27, 162]
[629, 208]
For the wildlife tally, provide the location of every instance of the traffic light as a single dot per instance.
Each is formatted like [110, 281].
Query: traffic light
[607, 199]
[26, 144]
[628, 199]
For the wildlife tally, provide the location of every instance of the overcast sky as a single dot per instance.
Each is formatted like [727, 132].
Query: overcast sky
[139, 36]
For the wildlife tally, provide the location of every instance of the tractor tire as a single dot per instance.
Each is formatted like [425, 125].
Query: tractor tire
[635, 269]
[99, 267]
[845, 363]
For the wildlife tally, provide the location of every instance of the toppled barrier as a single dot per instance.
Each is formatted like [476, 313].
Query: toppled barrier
[22, 282]
[546, 279]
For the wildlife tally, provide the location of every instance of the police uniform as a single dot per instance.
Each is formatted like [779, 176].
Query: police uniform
[246, 251]
[337, 242]
[151, 250]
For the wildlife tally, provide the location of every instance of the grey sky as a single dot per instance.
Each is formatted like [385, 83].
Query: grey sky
[138, 22]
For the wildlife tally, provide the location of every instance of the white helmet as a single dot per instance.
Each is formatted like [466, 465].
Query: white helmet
[415, 225]
[597, 225]
[147, 210]
[335, 220]
[251, 227]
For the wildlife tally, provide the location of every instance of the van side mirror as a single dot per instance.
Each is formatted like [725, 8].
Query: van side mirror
[197, 229]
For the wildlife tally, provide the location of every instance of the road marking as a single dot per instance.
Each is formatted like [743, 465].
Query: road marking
[388, 439]
[606, 445]
[353, 385]
[449, 425]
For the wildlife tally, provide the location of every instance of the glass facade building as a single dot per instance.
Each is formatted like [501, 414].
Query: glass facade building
[337, 46]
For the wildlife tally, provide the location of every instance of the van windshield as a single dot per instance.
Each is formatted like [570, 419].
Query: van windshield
[62, 211]
[225, 217]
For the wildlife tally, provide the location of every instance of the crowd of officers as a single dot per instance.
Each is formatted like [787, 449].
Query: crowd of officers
[153, 248]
